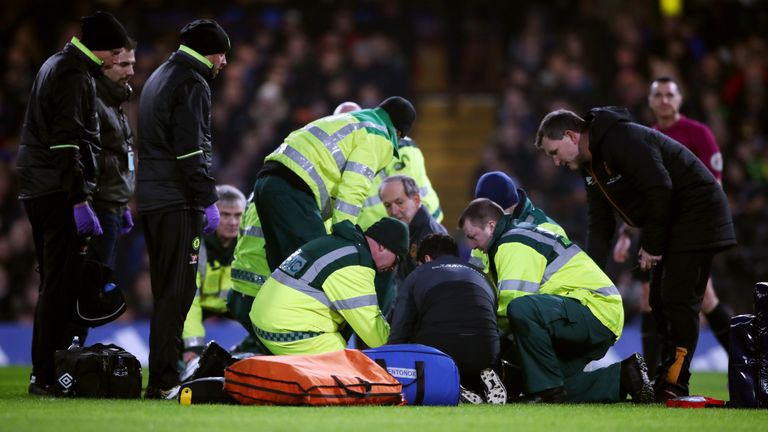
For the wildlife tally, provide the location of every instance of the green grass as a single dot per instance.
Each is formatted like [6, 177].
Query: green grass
[21, 412]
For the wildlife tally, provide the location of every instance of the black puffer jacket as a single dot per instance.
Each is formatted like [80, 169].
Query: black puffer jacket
[175, 138]
[114, 164]
[61, 129]
[653, 182]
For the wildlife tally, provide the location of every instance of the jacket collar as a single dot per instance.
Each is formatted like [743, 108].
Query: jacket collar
[80, 51]
[195, 60]
[110, 92]
[600, 120]
[420, 219]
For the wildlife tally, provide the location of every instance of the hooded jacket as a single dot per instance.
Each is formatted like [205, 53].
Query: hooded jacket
[653, 182]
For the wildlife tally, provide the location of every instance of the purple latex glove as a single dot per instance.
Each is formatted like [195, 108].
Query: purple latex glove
[86, 221]
[211, 218]
[127, 222]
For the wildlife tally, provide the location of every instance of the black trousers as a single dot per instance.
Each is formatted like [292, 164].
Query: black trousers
[471, 352]
[58, 249]
[173, 242]
[677, 289]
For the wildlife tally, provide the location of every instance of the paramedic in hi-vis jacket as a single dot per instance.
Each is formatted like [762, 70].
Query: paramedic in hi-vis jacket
[328, 284]
[563, 311]
[323, 171]
[213, 275]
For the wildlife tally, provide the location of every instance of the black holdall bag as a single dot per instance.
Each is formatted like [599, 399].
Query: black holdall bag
[97, 371]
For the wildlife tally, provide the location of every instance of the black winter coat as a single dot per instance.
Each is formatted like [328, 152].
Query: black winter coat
[175, 138]
[61, 129]
[114, 164]
[653, 182]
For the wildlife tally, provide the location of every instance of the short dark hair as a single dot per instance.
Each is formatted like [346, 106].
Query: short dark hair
[480, 211]
[130, 44]
[554, 125]
[667, 80]
[437, 245]
[410, 187]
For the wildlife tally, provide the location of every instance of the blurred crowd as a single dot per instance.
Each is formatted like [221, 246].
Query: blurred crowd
[294, 62]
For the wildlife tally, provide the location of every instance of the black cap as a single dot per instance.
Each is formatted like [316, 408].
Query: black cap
[205, 36]
[401, 112]
[390, 233]
[102, 32]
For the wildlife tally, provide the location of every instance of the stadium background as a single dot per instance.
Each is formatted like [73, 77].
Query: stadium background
[481, 74]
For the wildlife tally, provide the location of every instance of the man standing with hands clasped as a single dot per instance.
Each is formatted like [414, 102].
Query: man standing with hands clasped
[175, 187]
[655, 183]
[56, 171]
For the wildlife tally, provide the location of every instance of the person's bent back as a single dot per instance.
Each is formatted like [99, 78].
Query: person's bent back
[448, 305]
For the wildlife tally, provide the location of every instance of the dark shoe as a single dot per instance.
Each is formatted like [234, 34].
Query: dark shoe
[158, 393]
[664, 391]
[213, 361]
[634, 380]
[40, 390]
[553, 395]
[494, 390]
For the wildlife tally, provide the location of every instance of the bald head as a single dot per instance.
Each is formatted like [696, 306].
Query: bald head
[346, 107]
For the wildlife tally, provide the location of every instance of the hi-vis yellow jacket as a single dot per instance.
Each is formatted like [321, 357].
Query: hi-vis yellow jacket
[524, 212]
[530, 260]
[249, 268]
[338, 156]
[410, 163]
[325, 285]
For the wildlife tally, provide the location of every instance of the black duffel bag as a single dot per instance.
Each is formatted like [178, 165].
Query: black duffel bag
[97, 371]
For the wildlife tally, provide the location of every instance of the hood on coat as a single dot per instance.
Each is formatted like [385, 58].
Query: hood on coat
[602, 119]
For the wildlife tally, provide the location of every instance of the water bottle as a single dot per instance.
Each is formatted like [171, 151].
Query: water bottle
[75, 342]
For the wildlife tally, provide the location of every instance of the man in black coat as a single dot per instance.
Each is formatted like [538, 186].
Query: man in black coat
[449, 305]
[175, 188]
[115, 167]
[653, 182]
[56, 171]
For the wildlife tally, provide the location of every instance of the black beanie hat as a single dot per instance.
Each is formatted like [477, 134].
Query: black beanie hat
[390, 233]
[205, 36]
[102, 32]
[401, 112]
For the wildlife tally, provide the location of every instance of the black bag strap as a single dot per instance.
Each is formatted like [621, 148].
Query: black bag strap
[366, 386]
[419, 379]
[419, 383]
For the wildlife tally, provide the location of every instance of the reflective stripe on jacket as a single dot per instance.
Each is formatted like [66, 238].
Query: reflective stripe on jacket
[324, 285]
[249, 268]
[338, 156]
[410, 163]
[528, 260]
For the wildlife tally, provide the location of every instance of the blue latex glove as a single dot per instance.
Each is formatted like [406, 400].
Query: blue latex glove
[127, 222]
[211, 218]
[86, 221]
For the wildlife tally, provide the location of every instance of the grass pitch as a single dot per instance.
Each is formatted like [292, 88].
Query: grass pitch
[21, 412]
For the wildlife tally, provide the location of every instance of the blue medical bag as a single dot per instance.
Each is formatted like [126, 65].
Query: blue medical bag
[428, 376]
